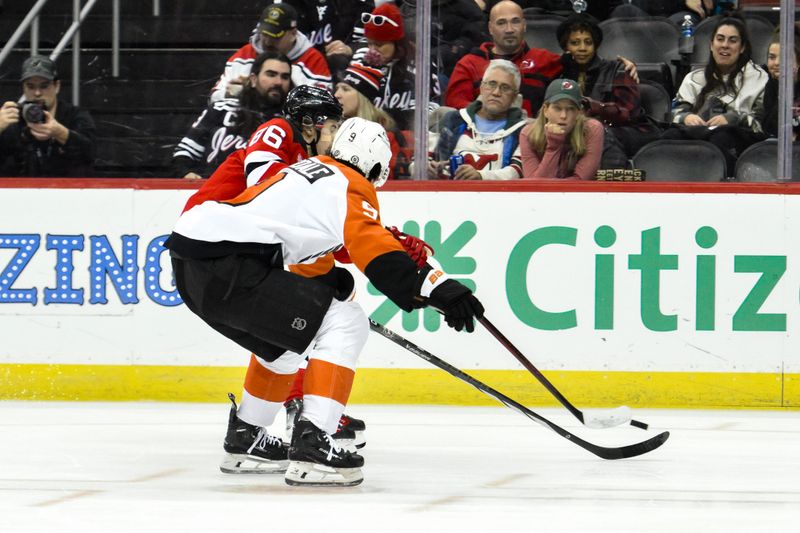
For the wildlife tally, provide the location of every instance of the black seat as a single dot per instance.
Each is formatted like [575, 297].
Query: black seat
[759, 28]
[759, 163]
[650, 42]
[655, 101]
[540, 31]
[669, 160]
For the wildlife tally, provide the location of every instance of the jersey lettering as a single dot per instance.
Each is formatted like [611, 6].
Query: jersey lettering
[370, 211]
[312, 170]
[274, 136]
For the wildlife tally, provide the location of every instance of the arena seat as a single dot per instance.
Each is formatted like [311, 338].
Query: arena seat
[671, 160]
[759, 163]
[650, 42]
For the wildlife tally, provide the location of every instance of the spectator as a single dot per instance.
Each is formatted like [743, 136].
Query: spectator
[277, 29]
[333, 27]
[357, 90]
[561, 143]
[389, 47]
[604, 82]
[771, 103]
[44, 135]
[717, 103]
[486, 132]
[226, 125]
[507, 28]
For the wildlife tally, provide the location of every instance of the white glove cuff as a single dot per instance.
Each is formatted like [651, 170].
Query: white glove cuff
[435, 277]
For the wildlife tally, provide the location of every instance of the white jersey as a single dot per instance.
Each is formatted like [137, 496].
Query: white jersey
[310, 209]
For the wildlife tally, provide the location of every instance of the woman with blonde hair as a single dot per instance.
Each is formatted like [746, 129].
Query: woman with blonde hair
[562, 143]
[356, 91]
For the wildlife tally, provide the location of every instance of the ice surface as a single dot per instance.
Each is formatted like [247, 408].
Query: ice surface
[151, 467]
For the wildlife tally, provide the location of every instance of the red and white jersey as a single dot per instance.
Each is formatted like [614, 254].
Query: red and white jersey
[270, 149]
[309, 66]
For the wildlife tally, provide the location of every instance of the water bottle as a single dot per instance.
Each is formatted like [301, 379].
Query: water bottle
[579, 6]
[686, 42]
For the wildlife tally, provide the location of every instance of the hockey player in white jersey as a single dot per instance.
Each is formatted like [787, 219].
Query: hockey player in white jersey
[229, 260]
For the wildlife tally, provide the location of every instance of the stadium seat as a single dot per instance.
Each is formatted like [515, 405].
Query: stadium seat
[650, 42]
[670, 160]
[759, 163]
[655, 101]
[540, 31]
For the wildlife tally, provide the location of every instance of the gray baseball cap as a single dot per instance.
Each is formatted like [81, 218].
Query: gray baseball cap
[41, 66]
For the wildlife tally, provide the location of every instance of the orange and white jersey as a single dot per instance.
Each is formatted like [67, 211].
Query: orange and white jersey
[311, 208]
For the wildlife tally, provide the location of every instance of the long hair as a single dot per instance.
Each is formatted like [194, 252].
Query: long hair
[404, 53]
[714, 79]
[368, 111]
[577, 140]
[251, 102]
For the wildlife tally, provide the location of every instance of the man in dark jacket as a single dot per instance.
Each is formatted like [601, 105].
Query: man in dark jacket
[44, 135]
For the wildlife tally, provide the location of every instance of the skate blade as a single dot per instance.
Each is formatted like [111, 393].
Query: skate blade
[352, 445]
[305, 474]
[235, 463]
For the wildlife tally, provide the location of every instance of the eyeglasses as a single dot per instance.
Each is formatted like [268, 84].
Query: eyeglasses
[492, 86]
[378, 20]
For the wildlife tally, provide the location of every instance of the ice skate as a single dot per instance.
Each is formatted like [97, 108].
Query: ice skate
[317, 460]
[349, 435]
[250, 449]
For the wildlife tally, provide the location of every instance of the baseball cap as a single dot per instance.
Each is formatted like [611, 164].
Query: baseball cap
[41, 66]
[561, 89]
[276, 19]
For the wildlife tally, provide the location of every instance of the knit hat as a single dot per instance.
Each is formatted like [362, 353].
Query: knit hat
[276, 19]
[363, 79]
[563, 89]
[41, 66]
[385, 23]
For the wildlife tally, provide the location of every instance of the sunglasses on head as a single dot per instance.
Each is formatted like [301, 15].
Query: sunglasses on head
[377, 20]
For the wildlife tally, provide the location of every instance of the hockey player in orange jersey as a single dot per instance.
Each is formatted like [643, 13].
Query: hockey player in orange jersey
[228, 259]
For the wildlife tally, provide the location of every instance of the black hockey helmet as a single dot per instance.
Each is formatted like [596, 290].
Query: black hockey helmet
[307, 105]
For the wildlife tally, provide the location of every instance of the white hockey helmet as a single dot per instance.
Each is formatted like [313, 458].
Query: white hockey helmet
[364, 145]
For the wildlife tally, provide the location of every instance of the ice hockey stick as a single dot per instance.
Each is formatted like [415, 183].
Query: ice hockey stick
[623, 452]
[596, 418]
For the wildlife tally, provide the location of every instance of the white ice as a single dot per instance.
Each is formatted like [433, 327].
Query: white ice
[151, 467]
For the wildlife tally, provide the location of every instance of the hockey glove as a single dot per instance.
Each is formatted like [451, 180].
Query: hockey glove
[417, 249]
[456, 302]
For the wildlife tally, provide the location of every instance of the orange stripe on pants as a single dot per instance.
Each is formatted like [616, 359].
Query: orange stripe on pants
[266, 384]
[328, 380]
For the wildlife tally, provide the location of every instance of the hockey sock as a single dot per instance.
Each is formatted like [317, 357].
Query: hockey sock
[264, 393]
[326, 389]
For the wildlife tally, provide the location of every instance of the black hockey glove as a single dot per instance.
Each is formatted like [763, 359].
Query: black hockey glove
[454, 300]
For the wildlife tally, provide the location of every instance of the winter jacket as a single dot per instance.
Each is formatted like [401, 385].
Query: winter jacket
[496, 156]
[308, 66]
[769, 112]
[537, 67]
[737, 107]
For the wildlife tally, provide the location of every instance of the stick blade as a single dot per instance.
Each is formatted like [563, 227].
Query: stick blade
[633, 450]
[606, 418]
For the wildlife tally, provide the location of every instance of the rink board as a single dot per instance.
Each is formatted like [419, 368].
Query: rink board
[639, 294]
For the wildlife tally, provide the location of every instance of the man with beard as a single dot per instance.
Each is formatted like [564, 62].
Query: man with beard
[277, 29]
[225, 126]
